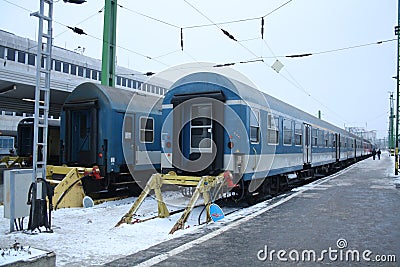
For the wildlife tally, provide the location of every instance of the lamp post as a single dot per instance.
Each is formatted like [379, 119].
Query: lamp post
[396, 153]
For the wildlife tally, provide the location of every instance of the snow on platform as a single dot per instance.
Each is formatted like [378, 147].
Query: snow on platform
[88, 236]
[18, 253]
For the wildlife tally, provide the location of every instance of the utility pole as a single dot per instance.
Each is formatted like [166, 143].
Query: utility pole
[391, 117]
[109, 43]
[42, 96]
[397, 32]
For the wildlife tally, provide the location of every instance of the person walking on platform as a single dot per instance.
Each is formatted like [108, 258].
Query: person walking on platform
[373, 153]
[379, 153]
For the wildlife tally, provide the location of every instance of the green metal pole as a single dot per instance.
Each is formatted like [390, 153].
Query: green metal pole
[109, 43]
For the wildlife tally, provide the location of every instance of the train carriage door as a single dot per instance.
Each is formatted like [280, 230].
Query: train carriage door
[82, 137]
[198, 121]
[337, 146]
[129, 140]
[307, 155]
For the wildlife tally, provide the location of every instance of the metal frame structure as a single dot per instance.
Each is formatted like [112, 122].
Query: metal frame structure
[42, 91]
[391, 117]
[397, 32]
[202, 185]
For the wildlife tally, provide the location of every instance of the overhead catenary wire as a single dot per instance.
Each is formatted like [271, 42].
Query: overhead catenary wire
[149, 17]
[337, 49]
[224, 31]
[89, 35]
[239, 20]
[68, 28]
[295, 83]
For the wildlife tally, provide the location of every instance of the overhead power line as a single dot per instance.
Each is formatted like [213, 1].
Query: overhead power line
[338, 49]
[81, 31]
[149, 17]
[237, 21]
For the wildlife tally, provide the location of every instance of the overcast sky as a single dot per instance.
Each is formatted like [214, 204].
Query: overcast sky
[349, 86]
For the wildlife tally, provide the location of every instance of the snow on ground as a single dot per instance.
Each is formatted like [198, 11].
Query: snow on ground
[87, 236]
[19, 253]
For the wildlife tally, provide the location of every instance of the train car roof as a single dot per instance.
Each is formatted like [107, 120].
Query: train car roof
[52, 122]
[236, 90]
[116, 98]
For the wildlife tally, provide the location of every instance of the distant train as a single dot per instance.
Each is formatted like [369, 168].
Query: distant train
[213, 124]
[6, 145]
[25, 140]
[114, 130]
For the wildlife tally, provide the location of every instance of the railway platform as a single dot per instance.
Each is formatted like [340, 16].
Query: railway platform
[348, 218]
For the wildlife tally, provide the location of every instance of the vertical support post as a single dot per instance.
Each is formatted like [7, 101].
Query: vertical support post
[391, 117]
[109, 43]
[42, 91]
[396, 153]
[12, 201]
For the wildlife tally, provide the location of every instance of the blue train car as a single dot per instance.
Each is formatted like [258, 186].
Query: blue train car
[113, 129]
[213, 123]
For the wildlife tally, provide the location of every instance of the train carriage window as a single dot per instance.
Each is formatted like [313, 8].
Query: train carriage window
[315, 137]
[254, 126]
[287, 131]
[326, 138]
[298, 134]
[321, 138]
[273, 130]
[146, 130]
[201, 128]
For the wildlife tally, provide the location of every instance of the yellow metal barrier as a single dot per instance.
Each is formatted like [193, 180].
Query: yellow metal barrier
[203, 186]
[68, 192]
[10, 161]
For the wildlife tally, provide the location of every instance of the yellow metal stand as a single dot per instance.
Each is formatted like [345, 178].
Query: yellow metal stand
[13, 161]
[203, 186]
[68, 192]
